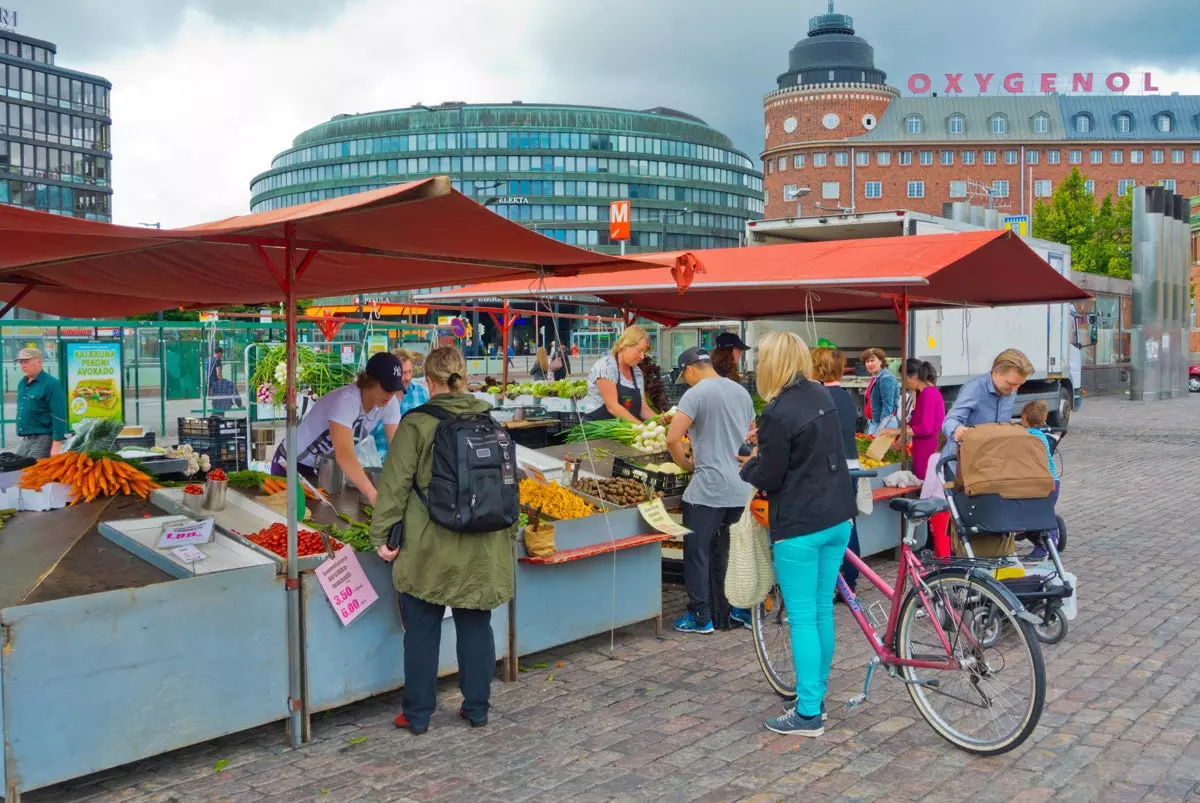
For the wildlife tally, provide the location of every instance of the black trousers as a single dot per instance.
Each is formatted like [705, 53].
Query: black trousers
[707, 524]
[422, 642]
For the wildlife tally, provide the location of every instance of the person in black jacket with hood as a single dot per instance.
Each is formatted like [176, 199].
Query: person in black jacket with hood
[800, 463]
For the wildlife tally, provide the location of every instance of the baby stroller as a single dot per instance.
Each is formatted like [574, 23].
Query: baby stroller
[1049, 593]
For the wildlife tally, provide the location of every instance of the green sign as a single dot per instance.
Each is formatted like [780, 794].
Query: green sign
[376, 344]
[94, 388]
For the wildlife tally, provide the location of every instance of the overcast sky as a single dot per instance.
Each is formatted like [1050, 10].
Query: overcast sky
[206, 92]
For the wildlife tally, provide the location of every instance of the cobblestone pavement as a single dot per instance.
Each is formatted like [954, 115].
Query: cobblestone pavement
[681, 718]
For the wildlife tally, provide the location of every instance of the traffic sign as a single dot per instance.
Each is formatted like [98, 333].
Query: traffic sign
[1017, 223]
[458, 327]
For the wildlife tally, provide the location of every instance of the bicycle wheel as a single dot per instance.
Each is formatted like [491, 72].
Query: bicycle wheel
[993, 700]
[773, 644]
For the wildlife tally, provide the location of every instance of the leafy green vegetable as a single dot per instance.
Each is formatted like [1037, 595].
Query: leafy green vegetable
[356, 740]
[220, 765]
[97, 434]
[247, 480]
[318, 371]
[614, 429]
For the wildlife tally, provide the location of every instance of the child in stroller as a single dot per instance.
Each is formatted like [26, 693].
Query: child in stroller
[1033, 418]
[1044, 594]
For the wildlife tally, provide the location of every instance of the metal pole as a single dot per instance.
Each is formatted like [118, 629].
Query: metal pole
[295, 653]
[505, 335]
[162, 383]
[137, 376]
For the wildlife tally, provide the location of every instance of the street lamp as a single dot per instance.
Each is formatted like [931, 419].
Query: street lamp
[795, 194]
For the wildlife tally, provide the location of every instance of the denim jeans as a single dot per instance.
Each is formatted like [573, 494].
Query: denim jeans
[707, 524]
[807, 569]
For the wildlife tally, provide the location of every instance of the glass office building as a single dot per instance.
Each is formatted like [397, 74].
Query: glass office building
[551, 168]
[55, 154]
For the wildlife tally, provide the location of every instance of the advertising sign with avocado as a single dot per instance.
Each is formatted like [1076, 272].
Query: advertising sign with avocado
[94, 381]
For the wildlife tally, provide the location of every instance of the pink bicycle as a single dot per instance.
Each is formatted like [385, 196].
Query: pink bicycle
[958, 639]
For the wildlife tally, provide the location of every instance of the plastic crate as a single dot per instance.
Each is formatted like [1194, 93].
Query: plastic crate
[568, 419]
[635, 468]
[219, 450]
[212, 427]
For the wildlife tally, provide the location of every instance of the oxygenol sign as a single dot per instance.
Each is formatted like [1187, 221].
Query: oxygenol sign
[1047, 82]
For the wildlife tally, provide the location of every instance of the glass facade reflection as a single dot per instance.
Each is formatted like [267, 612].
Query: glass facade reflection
[55, 151]
[552, 168]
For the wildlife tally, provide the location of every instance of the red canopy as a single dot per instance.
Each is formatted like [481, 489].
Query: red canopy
[403, 237]
[987, 268]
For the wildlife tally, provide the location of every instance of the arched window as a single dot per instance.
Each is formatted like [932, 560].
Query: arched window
[999, 124]
[1041, 124]
[912, 124]
[1124, 122]
[957, 124]
[1083, 123]
[1164, 122]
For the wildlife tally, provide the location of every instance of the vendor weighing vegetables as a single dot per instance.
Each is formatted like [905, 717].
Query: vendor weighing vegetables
[616, 387]
[343, 418]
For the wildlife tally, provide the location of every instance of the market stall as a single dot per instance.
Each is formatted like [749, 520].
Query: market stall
[95, 680]
[811, 280]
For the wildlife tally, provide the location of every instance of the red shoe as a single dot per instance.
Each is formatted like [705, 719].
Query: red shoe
[462, 712]
[401, 721]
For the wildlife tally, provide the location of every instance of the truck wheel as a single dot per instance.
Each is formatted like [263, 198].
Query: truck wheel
[1061, 417]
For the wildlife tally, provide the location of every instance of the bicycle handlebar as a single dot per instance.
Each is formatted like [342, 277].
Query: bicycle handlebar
[860, 473]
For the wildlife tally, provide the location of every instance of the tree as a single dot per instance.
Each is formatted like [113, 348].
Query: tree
[1100, 237]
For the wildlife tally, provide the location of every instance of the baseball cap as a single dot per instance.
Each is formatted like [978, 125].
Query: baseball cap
[690, 357]
[729, 340]
[29, 354]
[386, 367]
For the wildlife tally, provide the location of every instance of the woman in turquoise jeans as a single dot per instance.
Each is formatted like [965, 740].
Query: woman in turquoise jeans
[800, 463]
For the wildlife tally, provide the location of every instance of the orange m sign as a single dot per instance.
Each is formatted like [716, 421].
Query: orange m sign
[618, 220]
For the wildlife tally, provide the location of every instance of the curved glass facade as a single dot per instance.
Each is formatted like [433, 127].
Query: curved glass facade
[54, 133]
[552, 168]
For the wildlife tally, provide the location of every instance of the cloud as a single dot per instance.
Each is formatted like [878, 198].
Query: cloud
[206, 92]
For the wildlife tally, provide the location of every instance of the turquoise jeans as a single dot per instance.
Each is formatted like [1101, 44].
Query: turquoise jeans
[807, 567]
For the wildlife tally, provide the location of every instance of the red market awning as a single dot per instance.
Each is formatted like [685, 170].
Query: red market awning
[983, 269]
[404, 237]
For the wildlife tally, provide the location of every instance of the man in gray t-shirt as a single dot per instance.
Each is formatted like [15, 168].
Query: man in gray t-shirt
[716, 414]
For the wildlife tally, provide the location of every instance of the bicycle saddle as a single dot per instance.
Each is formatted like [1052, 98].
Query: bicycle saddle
[919, 508]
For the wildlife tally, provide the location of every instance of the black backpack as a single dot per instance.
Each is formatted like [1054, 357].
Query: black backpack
[474, 485]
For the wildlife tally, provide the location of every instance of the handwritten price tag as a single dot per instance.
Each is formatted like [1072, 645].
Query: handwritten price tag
[346, 586]
[185, 531]
[656, 516]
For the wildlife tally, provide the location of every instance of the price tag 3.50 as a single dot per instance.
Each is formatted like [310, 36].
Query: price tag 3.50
[346, 586]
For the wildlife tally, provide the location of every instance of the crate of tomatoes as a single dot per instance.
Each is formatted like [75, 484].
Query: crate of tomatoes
[273, 539]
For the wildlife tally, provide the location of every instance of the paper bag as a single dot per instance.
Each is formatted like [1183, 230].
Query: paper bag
[880, 446]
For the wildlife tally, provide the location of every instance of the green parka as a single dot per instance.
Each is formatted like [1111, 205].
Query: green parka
[437, 565]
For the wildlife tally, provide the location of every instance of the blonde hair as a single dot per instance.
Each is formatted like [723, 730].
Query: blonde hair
[828, 365]
[403, 355]
[1012, 360]
[632, 336]
[446, 366]
[783, 358]
[543, 360]
[365, 381]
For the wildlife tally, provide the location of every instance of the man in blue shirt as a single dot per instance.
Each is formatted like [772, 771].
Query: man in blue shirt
[415, 395]
[987, 399]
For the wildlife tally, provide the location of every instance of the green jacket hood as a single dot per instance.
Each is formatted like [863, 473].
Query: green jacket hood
[458, 403]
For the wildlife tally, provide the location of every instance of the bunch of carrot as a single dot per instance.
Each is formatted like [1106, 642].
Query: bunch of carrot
[273, 485]
[88, 477]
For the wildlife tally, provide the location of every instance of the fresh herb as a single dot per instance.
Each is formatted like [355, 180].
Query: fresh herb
[247, 480]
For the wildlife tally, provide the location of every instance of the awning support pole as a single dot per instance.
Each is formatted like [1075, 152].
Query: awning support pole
[901, 308]
[505, 329]
[295, 648]
[24, 291]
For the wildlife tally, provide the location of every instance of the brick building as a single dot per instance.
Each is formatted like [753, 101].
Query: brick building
[838, 138]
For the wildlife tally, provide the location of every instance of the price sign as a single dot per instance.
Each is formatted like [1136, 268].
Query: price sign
[346, 586]
[656, 516]
[347, 355]
[185, 531]
[188, 553]
[534, 474]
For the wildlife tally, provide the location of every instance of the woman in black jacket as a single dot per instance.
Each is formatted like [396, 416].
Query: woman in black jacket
[800, 463]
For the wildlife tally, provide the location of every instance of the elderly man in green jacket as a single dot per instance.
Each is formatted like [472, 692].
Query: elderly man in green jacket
[436, 568]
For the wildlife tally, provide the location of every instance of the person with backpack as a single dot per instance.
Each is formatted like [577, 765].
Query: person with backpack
[447, 505]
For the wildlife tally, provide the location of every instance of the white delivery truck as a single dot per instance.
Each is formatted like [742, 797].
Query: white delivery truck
[960, 343]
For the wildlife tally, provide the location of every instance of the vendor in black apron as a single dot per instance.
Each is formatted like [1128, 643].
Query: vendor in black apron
[616, 387]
